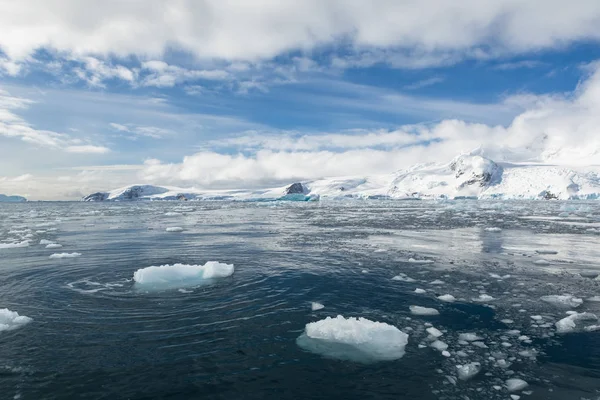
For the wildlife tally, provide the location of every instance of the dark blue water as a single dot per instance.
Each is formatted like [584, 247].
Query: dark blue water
[96, 335]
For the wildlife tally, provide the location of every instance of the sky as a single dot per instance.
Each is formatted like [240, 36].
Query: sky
[99, 94]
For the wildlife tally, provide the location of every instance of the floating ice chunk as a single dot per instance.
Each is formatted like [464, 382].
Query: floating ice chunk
[515, 384]
[468, 371]
[174, 229]
[439, 345]
[447, 298]
[403, 278]
[594, 298]
[493, 229]
[172, 214]
[437, 282]
[354, 339]
[592, 328]
[469, 337]
[515, 397]
[569, 324]
[10, 320]
[446, 353]
[316, 306]
[436, 333]
[418, 310]
[483, 297]
[542, 262]
[481, 345]
[421, 291]
[180, 275]
[536, 317]
[54, 246]
[65, 255]
[412, 260]
[562, 301]
[46, 241]
[14, 245]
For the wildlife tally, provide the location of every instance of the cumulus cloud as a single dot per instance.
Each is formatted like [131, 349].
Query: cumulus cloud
[559, 129]
[436, 30]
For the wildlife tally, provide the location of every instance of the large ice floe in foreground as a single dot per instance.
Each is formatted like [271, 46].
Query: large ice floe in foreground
[471, 175]
[180, 275]
[11, 320]
[353, 339]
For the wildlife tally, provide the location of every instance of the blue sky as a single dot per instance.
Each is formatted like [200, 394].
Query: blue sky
[155, 92]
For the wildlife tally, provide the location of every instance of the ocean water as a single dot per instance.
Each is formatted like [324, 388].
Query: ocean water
[96, 334]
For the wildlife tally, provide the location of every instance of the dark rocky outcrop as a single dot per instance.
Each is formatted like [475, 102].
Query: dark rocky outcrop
[98, 196]
[296, 188]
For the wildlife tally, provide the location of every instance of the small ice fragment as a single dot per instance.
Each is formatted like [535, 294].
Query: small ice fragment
[483, 297]
[481, 345]
[437, 282]
[54, 246]
[468, 371]
[11, 320]
[469, 337]
[507, 321]
[403, 278]
[14, 245]
[418, 310]
[446, 353]
[412, 260]
[536, 317]
[185, 291]
[569, 324]
[439, 345]
[316, 306]
[447, 298]
[420, 291]
[515, 397]
[436, 333]
[515, 384]
[175, 229]
[562, 301]
[542, 262]
[493, 229]
[65, 255]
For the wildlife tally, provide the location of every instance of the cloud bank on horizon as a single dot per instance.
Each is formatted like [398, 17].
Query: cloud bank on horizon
[231, 93]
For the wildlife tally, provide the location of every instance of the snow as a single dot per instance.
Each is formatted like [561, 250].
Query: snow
[468, 371]
[562, 301]
[569, 324]
[316, 306]
[448, 298]
[14, 245]
[11, 320]
[353, 339]
[418, 310]
[175, 229]
[516, 384]
[65, 255]
[470, 175]
[180, 275]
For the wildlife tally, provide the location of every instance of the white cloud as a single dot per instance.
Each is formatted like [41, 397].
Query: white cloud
[137, 130]
[436, 30]
[424, 83]
[87, 149]
[22, 178]
[559, 129]
[14, 126]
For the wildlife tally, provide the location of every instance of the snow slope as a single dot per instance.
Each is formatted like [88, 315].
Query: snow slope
[469, 175]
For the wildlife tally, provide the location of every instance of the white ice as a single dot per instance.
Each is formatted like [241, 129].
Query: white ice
[10, 320]
[65, 255]
[439, 345]
[175, 229]
[493, 229]
[515, 384]
[316, 306]
[469, 337]
[420, 291]
[14, 245]
[562, 301]
[483, 297]
[418, 310]
[54, 246]
[436, 333]
[468, 371]
[354, 339]
[569, 324]
[448, 298]
[180, 275]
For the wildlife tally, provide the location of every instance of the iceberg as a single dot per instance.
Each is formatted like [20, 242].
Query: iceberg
[353, 339]
[11, 320]
[11, 199]
[180, 275]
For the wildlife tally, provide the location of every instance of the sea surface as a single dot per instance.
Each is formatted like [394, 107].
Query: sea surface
[96, 334]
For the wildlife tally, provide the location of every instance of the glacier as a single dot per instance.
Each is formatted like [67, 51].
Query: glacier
[467, 176]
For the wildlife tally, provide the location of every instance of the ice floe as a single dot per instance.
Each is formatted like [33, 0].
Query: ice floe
[468, 371]
[562, 301]
[570, 324]
[516, 384]
[174, 229]
[10, 320]
[418, 310]
[448, 298]
[180, 275]
[353, 339]
[316, 306]
[65, 255]
[14, 245]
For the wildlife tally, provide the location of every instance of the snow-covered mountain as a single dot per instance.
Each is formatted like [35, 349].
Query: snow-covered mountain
[11, 199]
[467, 176]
